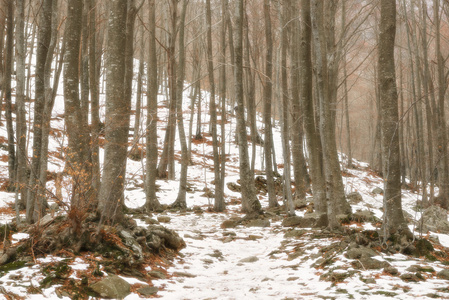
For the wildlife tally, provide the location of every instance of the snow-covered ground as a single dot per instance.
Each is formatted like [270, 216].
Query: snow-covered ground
[242, 262]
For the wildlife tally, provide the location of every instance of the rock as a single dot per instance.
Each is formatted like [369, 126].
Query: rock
[234, 187]
[151, 221]
[229, 224]
[164, 219]
[112, 287]
[216, 254]
[370, 280]
[299, 203]
[148, 290]
[368, 263]
[418, 268]
[434, 218]
[377, 191]
[443, 274]
[158, 236]
[253, 237]
[184, 274]
[258, 223]
[296, 221]
[157, 274]
[294, 233]
[131, 242]
[410, 277]
[363, 216]
[354, 198]
[391, 270]
[250, 259]
[357, 253]
[292, 278]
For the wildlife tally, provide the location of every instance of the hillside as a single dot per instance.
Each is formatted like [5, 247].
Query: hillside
[226, 258]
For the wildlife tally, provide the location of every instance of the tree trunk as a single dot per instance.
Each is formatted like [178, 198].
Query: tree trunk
[394, 222]
[250, 203]
[21, 133]
[34, 212]
[267, 95]
[299, 164]
[78, 159]
[313, 141]
[285, 119]
[94, 63]
[7, 88]
[151, 133]
[443, 171]
[117, 117]
[181, 199]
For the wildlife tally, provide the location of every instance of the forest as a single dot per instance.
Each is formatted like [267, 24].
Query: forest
[224, 149]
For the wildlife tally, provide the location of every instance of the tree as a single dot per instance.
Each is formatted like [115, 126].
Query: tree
[34, 207]
[394, 222]
[20, 177]
[111, 196]
[267, 95]
[7, 87]
[219, 204]
[151, 133]
[250, 203]
[181, 199]
[312, 135]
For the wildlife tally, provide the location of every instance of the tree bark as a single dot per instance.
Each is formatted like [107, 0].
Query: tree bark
[117, 117]
[151, 133]
[313, 140]
[35, 210]
[250, 204]
[394, 222]
[267, 95]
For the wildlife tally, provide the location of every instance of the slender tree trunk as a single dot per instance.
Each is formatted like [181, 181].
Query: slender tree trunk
[250, 203]
[151, 133]
[34, 212]
[219, 204]
[286, 110]
[94, 63]
[267, 95]
[7, 88]
[21, 133]
[117, 117]
[394, 222]
[299, 164]
[181, 199]
[313, 140]
[78, 158]
[443, 172]
[166, 163]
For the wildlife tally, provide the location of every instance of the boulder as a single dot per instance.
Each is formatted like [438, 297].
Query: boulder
[258, 223]
[301, 222]
[368, 263]
[377, 191]
[147, 290]
[354, 198]
[112, 287]
[443, 274]
[434, 218]
[249, 259]
[363, 216]
[357, 253]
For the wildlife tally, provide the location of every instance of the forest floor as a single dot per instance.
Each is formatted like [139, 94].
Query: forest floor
[227, 259]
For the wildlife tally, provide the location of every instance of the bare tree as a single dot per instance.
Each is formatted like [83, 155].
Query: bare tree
[117, 117]
[250, 203]
[151, 134]
[394, 222]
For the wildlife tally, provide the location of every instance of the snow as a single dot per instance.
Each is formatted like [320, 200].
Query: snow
[213, 256]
